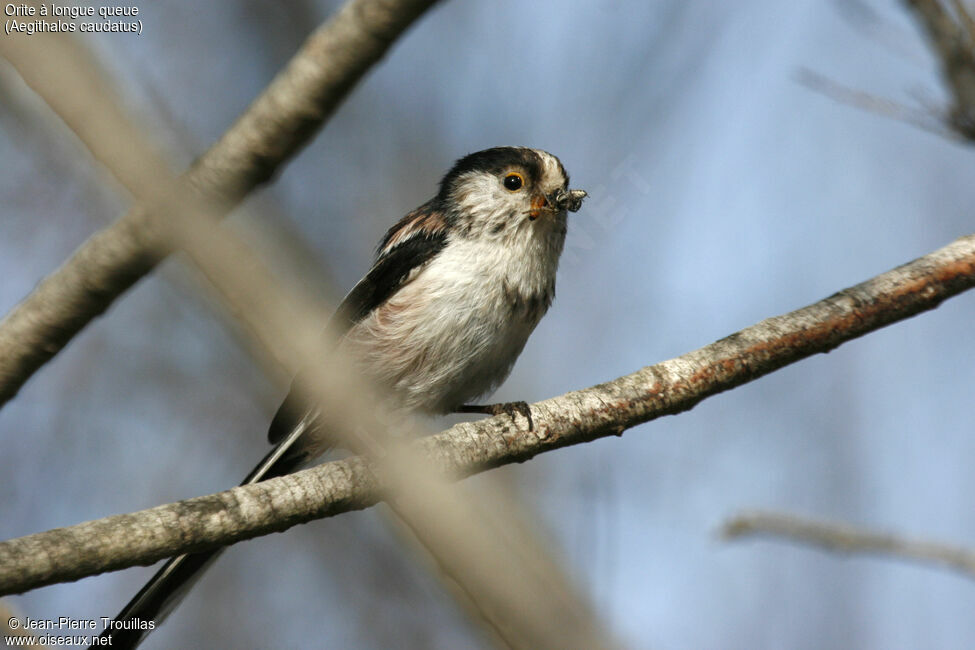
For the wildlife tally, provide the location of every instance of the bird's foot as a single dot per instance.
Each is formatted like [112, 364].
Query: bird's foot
[508, 408]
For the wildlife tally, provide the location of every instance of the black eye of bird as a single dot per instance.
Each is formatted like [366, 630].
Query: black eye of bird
[513, 182]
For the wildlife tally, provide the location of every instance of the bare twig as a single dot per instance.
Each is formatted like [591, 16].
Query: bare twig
[953, 43]
[603, 410]
[273, 129]
[845, 538]
[927, 118]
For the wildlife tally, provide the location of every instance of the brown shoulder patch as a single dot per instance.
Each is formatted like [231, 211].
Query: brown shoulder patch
[424, 221]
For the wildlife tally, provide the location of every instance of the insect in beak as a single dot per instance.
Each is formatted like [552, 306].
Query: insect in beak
[570, 200]
[559, 200]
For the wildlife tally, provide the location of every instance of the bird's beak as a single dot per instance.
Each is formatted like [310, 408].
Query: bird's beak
[539, 203]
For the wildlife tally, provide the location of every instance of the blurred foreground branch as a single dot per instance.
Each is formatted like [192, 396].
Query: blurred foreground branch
[844, 538]
[606, 409]
[279, 122]
[506, 577]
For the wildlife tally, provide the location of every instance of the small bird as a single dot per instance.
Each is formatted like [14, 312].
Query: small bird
[457, 287]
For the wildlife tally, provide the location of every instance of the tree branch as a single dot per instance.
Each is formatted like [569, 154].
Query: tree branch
[844, 538]
[279, 122]
[666, 388]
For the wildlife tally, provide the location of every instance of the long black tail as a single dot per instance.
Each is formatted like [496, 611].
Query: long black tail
[173, 581]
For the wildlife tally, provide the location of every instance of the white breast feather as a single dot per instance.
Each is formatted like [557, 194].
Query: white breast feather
[451, 335]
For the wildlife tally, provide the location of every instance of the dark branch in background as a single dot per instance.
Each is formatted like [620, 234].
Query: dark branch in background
[274, 128]
[844, 538]
[666, 388]
[953, 38]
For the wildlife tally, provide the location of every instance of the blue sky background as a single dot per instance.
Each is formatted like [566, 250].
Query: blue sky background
[723, 191]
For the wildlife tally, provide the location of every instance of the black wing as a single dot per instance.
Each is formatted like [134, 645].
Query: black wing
[390, 272]
[387, 275]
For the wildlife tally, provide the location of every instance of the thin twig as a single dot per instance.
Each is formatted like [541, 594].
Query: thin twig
[845, 538]
[928, 120]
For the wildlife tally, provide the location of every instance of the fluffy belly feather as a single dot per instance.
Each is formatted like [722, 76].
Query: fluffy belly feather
[453, 333]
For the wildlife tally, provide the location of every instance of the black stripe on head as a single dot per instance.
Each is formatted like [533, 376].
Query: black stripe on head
[493, 161]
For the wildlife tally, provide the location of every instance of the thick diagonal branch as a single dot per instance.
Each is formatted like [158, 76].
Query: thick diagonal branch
[279, 122]
[606, 409]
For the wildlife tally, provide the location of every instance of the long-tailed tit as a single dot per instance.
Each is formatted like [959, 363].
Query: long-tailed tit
[457, 287]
